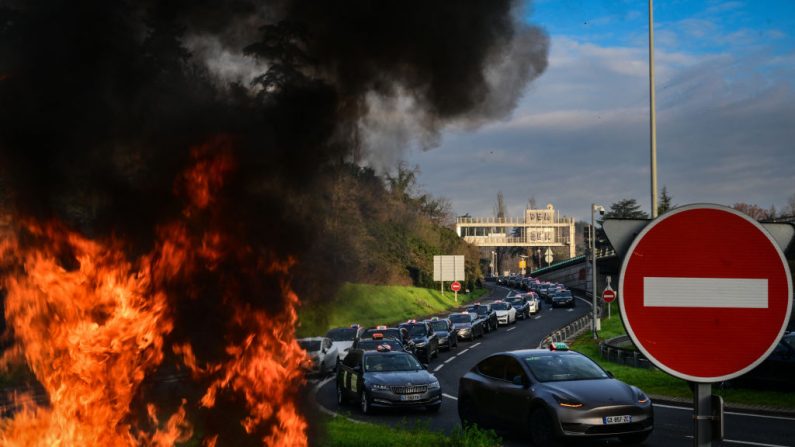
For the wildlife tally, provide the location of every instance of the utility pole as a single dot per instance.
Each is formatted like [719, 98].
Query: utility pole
[653, 118]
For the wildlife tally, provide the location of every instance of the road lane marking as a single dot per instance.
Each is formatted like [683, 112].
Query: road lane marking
[536, 318]
[439, 367]
[475, 345]
[449, 360]
[449, 396]
[745, 293]
[733, 413]
[462, 352]
[734, 441]
[510, 329]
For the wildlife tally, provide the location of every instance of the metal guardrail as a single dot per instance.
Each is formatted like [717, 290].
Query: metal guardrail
[610, 351]
[569, 331]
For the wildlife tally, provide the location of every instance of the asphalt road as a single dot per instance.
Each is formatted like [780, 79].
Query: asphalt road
[673, 424]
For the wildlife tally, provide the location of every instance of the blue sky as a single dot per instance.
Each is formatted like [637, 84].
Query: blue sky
[725, 103]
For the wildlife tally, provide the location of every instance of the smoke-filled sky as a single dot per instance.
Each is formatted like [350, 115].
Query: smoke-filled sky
[725, 112]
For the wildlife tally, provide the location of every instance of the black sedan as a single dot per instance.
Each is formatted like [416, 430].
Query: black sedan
[424, 340]
[443, 328]
[550, 395]
[521, 305]
[467, 326]
[563, 298]
[386, 379]
[486, 312]
[373, 344]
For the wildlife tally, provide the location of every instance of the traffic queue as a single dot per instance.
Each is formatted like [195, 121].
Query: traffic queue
[552, 393]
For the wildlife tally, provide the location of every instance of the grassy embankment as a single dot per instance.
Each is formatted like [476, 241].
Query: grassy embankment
[342, 432]
[656, 382]
[370, 305]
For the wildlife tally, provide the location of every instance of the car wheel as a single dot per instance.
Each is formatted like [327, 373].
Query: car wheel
[434, 408]
[340, 396]
[364, 404]
[634, 438]
[541, 432]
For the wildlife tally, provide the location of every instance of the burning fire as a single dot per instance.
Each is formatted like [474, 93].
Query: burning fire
[93, 324]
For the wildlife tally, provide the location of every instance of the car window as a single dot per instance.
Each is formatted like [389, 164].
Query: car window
[513, 369]
[390, 362]
[439, 325]
[553, 368]
[493, 367]
[342, 334]
[310, 345]
[501, 306]
[789, 340]
[417, 330]
[460, 318]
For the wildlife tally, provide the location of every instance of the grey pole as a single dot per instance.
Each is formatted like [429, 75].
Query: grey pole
[702, 419]
[652, 115]
[593, 268]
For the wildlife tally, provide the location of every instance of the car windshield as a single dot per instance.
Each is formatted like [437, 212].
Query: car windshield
[388, 333]
[439, 325]
[342, 334]
[564, 294]
[391, 362]
[460, 318]
[310, 345]
[501, 306]
[372, 345]
[417, 330]
[556, 368]
[483, 310]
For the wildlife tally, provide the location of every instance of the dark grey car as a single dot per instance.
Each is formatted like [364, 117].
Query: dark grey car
[552, 395]
[467, 326]
[386, 379]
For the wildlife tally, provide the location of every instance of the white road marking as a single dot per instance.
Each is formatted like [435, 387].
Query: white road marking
[462, 352]
[449, 396]
[475, 345]
[510, 329]
[734, 413]
[734, 441]
[536, 318]
[439, 367]
[745, 293]
[449, 360]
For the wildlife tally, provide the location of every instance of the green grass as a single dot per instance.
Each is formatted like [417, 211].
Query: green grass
[654, 381]
[342, 432]
[371, 305]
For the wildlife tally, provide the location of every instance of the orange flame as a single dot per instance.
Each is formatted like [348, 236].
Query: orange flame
[92, 332]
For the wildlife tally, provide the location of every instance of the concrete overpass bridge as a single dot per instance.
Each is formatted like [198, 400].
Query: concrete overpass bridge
[537, 228]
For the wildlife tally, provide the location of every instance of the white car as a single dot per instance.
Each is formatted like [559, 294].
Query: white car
[506, 314]
[323, 354]
[535, 304]
[343, 337]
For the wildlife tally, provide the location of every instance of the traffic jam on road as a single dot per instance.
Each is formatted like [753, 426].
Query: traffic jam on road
[544, 393]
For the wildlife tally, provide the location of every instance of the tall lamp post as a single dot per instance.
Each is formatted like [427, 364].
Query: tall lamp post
[594, 209]
[493, 263]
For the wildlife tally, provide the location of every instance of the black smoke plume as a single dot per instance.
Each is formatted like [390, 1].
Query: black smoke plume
[101, 103]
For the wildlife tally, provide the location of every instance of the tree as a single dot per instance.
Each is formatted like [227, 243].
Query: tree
[789, 210]
[665, 203]
[626, 209]
[752, 210]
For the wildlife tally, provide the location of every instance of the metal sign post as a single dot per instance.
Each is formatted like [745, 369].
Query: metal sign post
[702, 414]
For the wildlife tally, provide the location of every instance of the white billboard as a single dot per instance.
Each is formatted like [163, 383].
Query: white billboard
[448, 268]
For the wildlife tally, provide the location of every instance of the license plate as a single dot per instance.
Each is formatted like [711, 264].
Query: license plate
[617, 419]
[411, 397]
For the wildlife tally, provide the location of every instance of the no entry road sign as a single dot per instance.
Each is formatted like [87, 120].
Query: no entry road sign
[609, 295]
[706, 293]
[455, 286]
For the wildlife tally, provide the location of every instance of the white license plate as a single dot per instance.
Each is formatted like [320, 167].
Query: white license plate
[411, 397]
[617, 419]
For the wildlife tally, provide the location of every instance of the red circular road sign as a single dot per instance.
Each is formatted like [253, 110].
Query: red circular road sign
[609, 295]
[706, 293]
[455, 286]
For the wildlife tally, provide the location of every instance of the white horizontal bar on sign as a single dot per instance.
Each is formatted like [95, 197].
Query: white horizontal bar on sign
[705, 292]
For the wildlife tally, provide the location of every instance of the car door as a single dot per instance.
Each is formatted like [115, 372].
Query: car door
[489, 407]
[346, 373]
[513, 394]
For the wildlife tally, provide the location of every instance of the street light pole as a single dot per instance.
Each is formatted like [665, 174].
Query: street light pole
[652, 115]
[601, 209]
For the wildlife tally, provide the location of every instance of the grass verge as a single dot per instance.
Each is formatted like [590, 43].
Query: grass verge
[342, 432]
[654, 381]
[371, 305]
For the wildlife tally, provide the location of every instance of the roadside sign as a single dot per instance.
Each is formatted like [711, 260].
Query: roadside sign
[609, 295]
[455, 286]
[548, 256]
[715, 313]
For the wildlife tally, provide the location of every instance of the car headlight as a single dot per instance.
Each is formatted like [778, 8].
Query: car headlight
[641, 396]
[568, 403]
[434, 385]
[379, 387]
